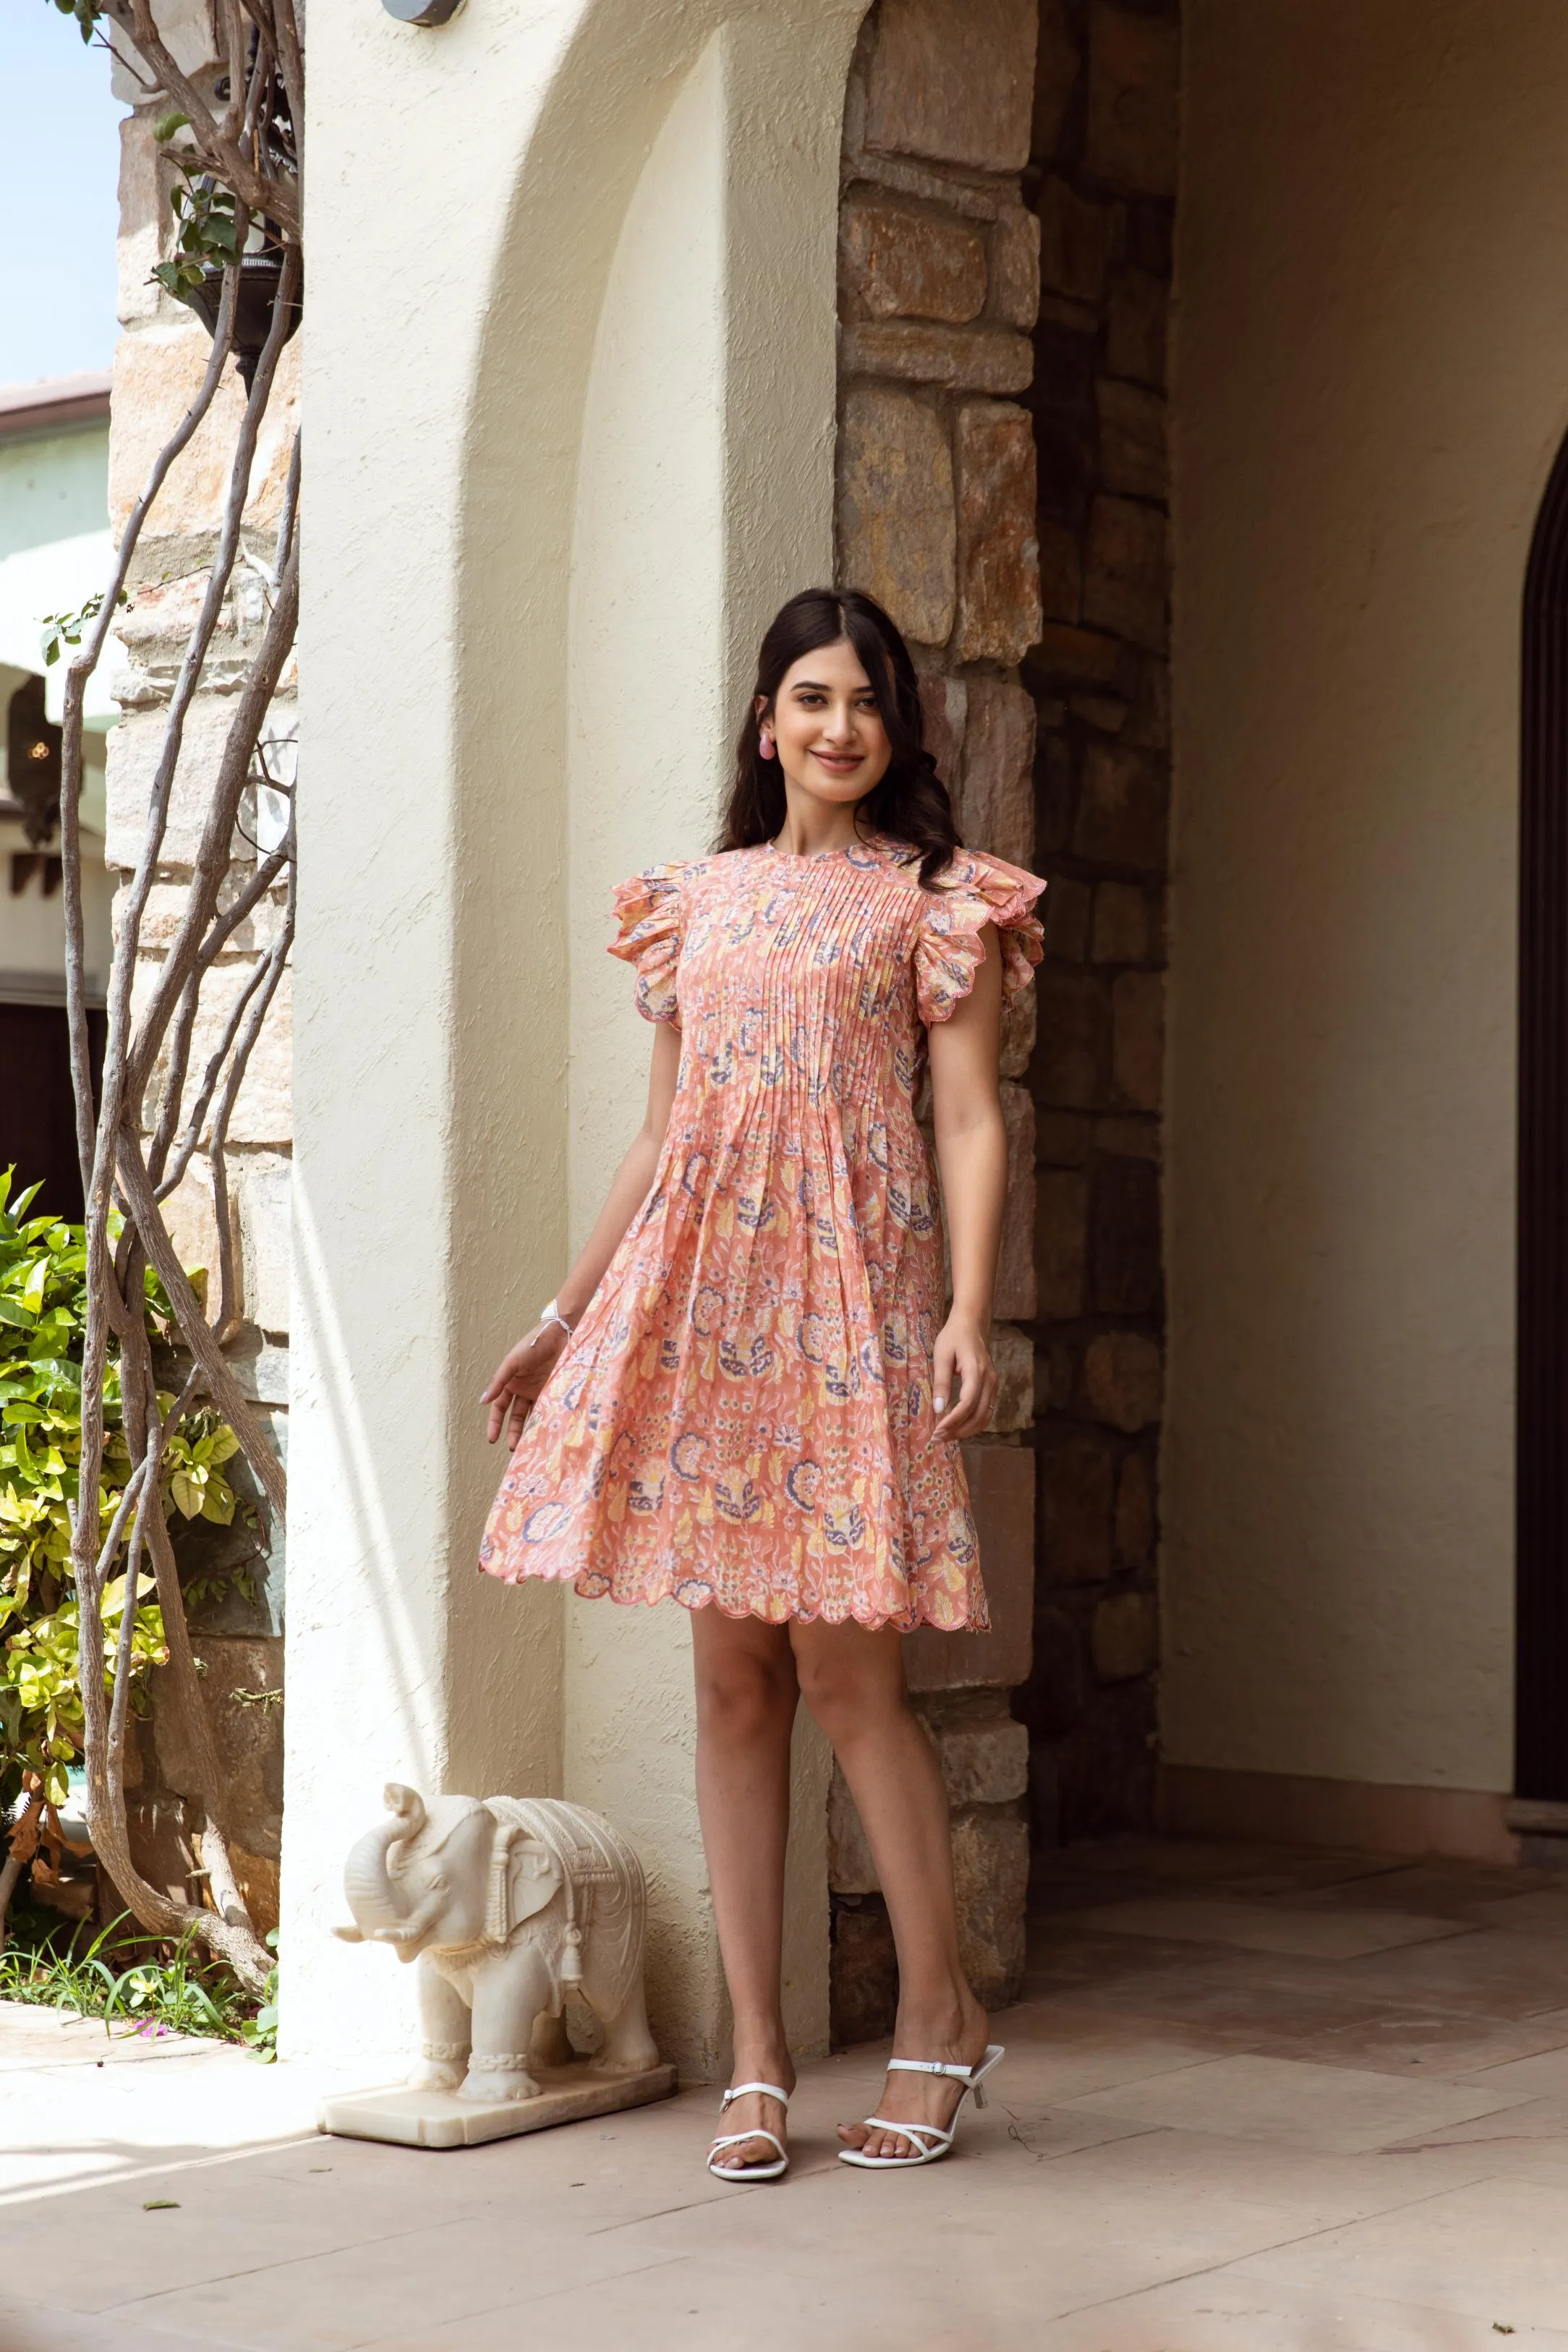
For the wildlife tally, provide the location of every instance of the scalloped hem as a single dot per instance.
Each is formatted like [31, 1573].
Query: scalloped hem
[872, 1624]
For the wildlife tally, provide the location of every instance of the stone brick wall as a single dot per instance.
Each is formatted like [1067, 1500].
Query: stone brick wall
[1102, 178]
[936, 518]
[161, 355]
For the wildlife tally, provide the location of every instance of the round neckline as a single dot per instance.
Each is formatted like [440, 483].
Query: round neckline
[875, 843]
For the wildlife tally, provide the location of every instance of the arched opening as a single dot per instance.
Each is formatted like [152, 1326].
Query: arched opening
[1541, 1738]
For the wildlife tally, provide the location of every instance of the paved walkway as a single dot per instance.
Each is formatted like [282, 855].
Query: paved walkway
[1254, 2102]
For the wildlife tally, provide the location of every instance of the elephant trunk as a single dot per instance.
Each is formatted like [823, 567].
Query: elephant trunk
[367, 1882]
[410, 1932]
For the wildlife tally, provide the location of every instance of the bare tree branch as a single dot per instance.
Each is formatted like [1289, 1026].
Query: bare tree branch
[261, 192]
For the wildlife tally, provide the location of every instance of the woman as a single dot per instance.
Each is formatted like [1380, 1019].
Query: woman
[744, 1395]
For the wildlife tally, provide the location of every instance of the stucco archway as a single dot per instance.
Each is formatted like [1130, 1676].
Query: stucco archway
[466, 570]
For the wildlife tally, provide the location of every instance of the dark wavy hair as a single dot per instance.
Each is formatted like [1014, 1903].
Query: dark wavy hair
[910, 803]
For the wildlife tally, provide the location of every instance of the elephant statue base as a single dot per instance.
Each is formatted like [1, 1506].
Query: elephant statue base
[504, 1904]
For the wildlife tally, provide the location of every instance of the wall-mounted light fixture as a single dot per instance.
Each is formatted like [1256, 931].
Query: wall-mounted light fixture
[422, 12]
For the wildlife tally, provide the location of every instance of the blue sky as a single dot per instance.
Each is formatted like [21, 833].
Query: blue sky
[59, 163]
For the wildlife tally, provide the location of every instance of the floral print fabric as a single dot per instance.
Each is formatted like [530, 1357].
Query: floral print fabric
[743, 1414]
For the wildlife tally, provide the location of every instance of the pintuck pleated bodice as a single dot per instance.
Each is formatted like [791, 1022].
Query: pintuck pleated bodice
[743, 1414]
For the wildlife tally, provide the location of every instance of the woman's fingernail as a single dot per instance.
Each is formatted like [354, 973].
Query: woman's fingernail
[938, 1404]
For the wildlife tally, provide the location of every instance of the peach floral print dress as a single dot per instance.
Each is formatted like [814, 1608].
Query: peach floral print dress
[743, 1414]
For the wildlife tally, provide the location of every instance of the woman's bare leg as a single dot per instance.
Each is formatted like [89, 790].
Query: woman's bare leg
[853, 1682]
[746, 1698]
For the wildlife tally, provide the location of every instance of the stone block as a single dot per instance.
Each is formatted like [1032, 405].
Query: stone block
[954, 358]
[1061, 1243]
[1072, 1058]
[1134, 1136]
[1124, 1639]
[1136, 324]
[954, 81]
[1106, 1768]
[991, 1879]
[983, 1763]
[1014, 296]
[863, 1973]
[1062, 1139]
[1019, 1015]
[1132, 134]
[1044, 1799]
[850, 1869]
[1056, 62]
[1133, 451]
[1076, 237]
[133, 751]
[1134, 1526]
[1124, 807]
[141, 213]
[1016, 1263]
[1001, 1494]
[1069, 904]
[157, 373]
[1138, 1055]
[1055, 786]
[261, 1368]
[262, 1185]
[996, 794]
[1125, 1380]
[1061, 570]
[895, 521]
[192, 1219]
[263, 1112]
[899, 262]
[1126, 577]
[1063, 655]
[1125, 1262]
[1054, 1700]
[1077, 1479]
[944, 705]
[1013, 1353]
[998, 551]
[186, 28]
[1120, 924]
[156, 629]
[1149, 720]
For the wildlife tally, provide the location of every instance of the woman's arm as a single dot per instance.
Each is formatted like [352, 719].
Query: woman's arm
[525, 1370]
[972, 1153]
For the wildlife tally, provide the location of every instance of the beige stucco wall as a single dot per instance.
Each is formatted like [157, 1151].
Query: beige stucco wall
[483, 674]
[1371, 381]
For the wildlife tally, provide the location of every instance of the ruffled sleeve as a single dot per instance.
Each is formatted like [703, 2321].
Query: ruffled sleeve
[976, 890]
[648, 909]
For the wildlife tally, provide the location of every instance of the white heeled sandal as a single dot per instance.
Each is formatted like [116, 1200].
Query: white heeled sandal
[774, 2171]
[930, 2141]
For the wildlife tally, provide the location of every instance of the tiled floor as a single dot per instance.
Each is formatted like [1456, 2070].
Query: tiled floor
[1254, 2101]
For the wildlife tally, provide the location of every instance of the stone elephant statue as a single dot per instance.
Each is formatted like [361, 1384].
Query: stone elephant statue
[505, 1902]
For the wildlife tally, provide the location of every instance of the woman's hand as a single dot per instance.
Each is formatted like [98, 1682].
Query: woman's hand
[519, 1378]
[964, 1379]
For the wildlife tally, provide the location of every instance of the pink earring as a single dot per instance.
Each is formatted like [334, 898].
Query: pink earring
[765, 745]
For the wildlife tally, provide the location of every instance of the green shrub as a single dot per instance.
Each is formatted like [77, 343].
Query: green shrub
[43, 1311]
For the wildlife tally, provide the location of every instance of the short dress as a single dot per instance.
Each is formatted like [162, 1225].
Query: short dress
[743, 1416]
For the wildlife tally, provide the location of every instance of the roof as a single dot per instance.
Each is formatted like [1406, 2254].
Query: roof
[52, 402]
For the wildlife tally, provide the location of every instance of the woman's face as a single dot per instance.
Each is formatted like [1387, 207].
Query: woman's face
[826, 728]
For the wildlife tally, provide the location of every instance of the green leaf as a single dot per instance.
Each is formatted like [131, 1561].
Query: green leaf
[167, 125]
[218, 1504]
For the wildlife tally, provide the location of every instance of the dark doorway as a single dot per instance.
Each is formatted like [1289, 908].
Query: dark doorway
[38, 1108]
[1541, 1761]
